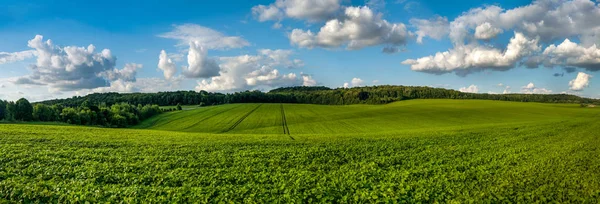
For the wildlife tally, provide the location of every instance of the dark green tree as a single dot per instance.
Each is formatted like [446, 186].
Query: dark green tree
[10, 111]
[2, 109]
[179, 107]
[24, 110]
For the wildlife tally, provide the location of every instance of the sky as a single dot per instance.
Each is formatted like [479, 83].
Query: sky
[62, 48]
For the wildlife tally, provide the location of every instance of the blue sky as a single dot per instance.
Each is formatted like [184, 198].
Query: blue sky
[228, 46]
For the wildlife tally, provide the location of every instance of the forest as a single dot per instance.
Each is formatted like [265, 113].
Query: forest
[86, 113]
[310, 95]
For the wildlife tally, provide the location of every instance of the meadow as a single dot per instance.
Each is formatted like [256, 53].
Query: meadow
[410, 151]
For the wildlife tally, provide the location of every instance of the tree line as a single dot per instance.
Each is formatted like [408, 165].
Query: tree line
[86, 113]
[116, 110]
[311, 95]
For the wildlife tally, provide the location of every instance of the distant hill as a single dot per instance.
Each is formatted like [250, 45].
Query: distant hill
[311, 95]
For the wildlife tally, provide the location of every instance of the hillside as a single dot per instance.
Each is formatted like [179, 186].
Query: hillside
[417, 151]
[394, 117]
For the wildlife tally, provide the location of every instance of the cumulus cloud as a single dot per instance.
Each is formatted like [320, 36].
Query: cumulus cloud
[70, 67]
[256, 71]
[267, 13]
[465, 59]
[582, 81]
[166, 65]
[485, 31]
[357, 82]
[358, 28]
[199, 64]
[281, 58]
[546, 20]
[10, 57]
[143, 85]
[571, 54]
[532, 89]
[470, 89]
[307, 80]
[311, 10]
[549, 19]
[208, 38]
[435, 28]
[346, 85]
[127, 74]
[506, 90]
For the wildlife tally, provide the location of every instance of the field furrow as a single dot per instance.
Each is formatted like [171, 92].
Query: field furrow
[234, 125]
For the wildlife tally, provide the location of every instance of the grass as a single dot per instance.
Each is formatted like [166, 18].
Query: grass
[323, 119]
[413, 151]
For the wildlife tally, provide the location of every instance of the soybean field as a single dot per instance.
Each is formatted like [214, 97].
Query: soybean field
[417, 151]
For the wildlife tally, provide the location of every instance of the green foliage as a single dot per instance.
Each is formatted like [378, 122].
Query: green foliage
[11, 109]
[23, 110]
[2, 109]
[311, 95]
[418, 151]
[179, 107]
[325, 119]
[42, 112]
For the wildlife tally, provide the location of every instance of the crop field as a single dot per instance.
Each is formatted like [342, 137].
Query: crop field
[450, 151]
[327, 119]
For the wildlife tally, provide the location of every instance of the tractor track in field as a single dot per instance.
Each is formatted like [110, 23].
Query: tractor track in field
[286, 129]
[209, 117]
[180, 117]
[241, 119]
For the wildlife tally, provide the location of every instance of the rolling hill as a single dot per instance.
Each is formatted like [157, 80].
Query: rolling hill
[327, 119]
[417, 151]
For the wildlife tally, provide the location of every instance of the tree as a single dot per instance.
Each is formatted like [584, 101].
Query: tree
[10, 111]
[70, 115]
[24, 110]
[2, 109]
[179, 107]
[43, 112]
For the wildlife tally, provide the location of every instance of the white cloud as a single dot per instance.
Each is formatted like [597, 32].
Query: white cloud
[307, 80]
[506, 90]
[582, 81]
[465, 59]
[311, 10]
[208, 38]
[127, 74]
[571, 54]
[199, 64]
[485, 31]
[470, 89]
[70, 68]
[356, 82]
[166, 65]
[346, 85]
[360, 27]
[532, 89]
[546, 20]
[255, 71]
[143, 85]
[435, 28]
[281, 58]
[267, 13]
[550, 20]
[10, 57]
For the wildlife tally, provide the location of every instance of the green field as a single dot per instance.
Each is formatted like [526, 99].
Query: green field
[409, 151]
